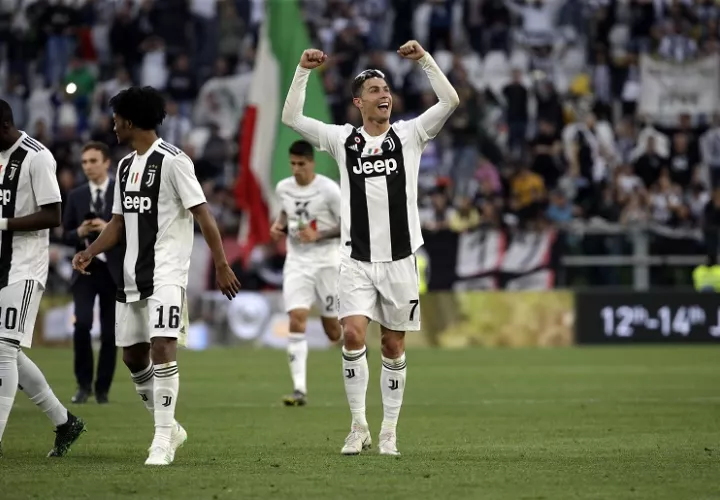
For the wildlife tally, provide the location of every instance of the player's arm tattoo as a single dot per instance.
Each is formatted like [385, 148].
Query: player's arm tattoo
[329, 233]
[48, 217]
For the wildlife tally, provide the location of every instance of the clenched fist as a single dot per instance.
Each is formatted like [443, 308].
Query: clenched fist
[411, 50]
[312, 58]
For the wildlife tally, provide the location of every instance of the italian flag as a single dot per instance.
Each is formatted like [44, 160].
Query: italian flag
[263, 139]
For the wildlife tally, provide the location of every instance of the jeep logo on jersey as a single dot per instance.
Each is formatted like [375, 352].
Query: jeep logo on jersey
[375, 167]
[5, 196]
[135, 203]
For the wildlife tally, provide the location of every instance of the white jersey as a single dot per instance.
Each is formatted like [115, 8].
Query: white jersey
[378, 182]
[316, 205]
[378, 175]
[29, 181]
[153, 193]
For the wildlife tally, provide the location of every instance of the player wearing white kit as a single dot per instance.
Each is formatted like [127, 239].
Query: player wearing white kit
[30, 206]
[156, 197]
[380, 229]
[310, 216]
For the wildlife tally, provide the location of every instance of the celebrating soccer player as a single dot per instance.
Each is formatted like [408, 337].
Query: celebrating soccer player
[310, 216]
[380, 226]
[156, 197]
[30, 204]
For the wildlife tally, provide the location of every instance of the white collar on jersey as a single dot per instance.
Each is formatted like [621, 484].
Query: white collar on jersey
[102, 186]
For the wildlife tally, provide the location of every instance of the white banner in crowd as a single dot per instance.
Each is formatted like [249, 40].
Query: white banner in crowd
[669, 89]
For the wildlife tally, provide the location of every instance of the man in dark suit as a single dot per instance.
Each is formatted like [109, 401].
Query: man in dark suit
[88, 209]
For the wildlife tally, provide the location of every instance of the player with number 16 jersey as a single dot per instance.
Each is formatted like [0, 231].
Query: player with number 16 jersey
[157, 198]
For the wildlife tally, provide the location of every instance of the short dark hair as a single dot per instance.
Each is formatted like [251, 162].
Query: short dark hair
[358, 81]
[98, 146]
[6, 114]
[302, 148]
[144, 107]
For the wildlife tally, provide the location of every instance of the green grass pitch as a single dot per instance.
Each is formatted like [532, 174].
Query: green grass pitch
[590, 423]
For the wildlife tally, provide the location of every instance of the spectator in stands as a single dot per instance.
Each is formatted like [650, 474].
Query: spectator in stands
[634, 211]
[528, 194]
[60, 22]
[517, 99]
[176, 127]
[627, 183]
[683, 161]
[576, 187]
[440, 25]
[608, 208]
[677, 45]
[489, 186]
[696, 200]
[437, 216]
[560, 209]
[546, 150]
[538, 19]
[665, 199]
[625, 140]
[710, 150]
[182, 85]
[549, 106]
[711, 217]
[466, 217]
[463, 127]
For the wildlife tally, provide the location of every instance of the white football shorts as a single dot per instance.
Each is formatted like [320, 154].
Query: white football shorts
[19, 306]
[384, 292]
[163, 314]
[304, 286]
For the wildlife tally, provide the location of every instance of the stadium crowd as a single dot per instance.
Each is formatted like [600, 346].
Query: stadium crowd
[546, 132]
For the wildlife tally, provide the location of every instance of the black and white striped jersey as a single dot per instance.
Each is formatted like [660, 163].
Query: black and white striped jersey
[378, 174]
[154, 192]
[28, 180]
[378, 183]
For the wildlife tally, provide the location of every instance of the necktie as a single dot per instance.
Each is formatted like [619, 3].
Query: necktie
[98, 203]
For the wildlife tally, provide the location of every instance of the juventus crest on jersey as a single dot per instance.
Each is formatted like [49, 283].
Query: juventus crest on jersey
[316, 205]
[378, 180]
[28, 180]
[153, 193]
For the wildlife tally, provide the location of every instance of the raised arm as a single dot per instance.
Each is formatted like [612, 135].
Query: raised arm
[433, 119]
[314, 131]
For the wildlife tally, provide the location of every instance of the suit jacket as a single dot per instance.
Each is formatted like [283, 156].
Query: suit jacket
[79, 204]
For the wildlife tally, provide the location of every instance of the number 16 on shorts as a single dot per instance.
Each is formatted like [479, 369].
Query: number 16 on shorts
[166, 318]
